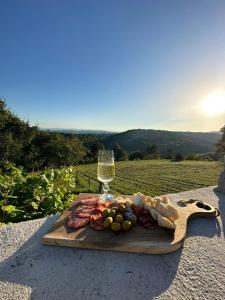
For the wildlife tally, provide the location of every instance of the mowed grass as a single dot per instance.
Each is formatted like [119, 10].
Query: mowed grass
[154, 177]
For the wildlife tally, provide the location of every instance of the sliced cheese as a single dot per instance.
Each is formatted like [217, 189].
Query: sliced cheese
[158, 200]
[165, 200]
[174, 215]
[164, 222]
[164, 211]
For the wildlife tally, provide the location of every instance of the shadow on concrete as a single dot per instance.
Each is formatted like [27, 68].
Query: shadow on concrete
[221, 204]
[72, 273]
[204, 226]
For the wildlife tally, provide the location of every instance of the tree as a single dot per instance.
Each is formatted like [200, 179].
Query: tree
[94, 147]
[153, 152]
[135, 155]
[221, 144]
[178, 157]
[15, 134]
[119, 153]
[169, 154]
[56, 150]
[32, 148]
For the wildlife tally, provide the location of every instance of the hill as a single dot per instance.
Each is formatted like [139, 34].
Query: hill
[183, 142]
[78, 131]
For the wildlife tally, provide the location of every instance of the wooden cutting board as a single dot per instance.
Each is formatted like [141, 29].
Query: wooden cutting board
[138, 239]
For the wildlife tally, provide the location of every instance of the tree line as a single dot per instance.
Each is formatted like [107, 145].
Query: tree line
[34, 149]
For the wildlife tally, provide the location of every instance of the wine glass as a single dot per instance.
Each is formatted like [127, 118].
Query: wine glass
[106, 172]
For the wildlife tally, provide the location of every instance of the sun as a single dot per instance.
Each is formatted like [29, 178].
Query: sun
[214, 104]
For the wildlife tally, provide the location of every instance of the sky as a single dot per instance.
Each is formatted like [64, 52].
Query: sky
[114, 64]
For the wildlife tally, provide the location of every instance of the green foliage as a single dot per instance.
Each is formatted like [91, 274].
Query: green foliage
[178, 157]
[119, 153]
[26, 196]
[92, 154]
[221, 143]
[152, 152]
[210, 156]
[183, 142]
[136, 155]
[169, 154]
[34, 149]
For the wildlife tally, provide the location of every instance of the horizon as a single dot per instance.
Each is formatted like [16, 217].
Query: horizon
[115, 66]
[111, 131]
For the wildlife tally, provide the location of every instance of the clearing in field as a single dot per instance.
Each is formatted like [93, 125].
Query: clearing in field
[153, 177]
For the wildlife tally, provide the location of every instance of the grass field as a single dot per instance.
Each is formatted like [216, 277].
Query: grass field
[154, 177]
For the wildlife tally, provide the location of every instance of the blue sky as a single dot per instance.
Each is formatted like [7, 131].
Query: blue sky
[113, 65]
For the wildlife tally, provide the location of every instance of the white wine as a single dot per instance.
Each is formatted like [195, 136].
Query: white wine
[106, 172]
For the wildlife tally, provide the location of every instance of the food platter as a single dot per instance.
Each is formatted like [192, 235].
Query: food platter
[138, 239]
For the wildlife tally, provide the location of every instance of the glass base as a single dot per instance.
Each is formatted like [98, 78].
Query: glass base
[106, 198]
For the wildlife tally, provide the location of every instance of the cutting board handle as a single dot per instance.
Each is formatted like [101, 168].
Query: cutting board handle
[189, 209]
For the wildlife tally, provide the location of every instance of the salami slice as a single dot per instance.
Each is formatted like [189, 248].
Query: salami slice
[95, 217]
[84, 210]
[80, 222]
[104, 204]
[74, 222]
[89, 201]
[83, 215]
[70, 221]
[100, 221]
[96, 226]
[84, 206]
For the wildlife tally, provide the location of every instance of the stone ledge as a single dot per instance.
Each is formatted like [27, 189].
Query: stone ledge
[29, 269]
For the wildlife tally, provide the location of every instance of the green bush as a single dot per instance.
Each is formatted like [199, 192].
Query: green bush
[26, 196]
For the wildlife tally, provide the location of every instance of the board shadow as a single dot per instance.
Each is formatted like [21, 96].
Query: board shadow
[73, 273]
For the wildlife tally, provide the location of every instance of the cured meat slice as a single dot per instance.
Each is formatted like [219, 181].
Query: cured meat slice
[99, 221]
[73, 222]
[99, 209]
[96, 226]
[80, 222]
[84, 206]
[70, 221]
[104, 204]
[83, 215]
[89, 201]
[101, 206]
[95, 217]
[84, 210]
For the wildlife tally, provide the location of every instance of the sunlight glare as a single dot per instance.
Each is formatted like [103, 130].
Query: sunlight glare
[214, 104]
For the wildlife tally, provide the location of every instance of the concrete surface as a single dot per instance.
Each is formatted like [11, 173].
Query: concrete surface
[30, 270]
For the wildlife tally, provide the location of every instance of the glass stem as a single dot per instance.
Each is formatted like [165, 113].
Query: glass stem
[105, 188]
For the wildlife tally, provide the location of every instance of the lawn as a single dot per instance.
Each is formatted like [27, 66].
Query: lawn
[154, 177]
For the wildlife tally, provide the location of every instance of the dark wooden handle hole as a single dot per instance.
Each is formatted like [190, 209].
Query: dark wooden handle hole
[203, 205]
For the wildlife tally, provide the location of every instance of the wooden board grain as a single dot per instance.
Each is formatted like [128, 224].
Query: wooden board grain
[138, 239]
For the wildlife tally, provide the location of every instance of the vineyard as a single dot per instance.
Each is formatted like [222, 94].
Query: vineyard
[152, 177]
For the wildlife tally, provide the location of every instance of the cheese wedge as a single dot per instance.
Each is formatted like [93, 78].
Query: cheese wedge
[164, 222]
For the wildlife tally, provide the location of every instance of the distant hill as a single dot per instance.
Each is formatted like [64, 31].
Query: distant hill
[183, 142]
[78, 131]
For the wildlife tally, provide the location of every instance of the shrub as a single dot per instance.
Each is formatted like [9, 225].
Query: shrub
[28, 196]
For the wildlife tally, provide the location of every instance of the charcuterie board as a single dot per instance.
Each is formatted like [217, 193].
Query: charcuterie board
[138, 239]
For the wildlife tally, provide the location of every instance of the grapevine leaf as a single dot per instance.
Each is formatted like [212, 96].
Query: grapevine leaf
[9, 208]
[34, 205]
